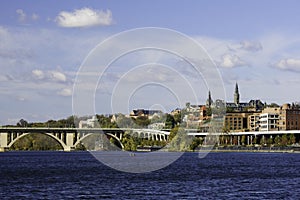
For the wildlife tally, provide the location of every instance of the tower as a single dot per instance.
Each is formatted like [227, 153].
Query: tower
[236, 94]
[209, 101]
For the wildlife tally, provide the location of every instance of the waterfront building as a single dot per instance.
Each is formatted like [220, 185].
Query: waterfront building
[269, 122]
[236, 121]
[254, 121]
[266, 120]
[289, 117]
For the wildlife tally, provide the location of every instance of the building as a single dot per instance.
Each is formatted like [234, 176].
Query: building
[236, 121]
[194, 115]
[145, 113]
[268, 122]
[254, 121]
[89, 123]
[177, 111]
[252, 105]
[209, 100]
[289, 117]
[285, 117]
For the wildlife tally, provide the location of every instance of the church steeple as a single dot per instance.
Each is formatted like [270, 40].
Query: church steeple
[236, 94]
[209, 101]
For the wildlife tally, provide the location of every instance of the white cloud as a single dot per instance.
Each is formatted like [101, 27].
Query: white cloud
[84, 17]
[23, 18]
[231, 61]
[3, 32]
[65, 92]
[53, 76]
[21, 14]
[34, 17]
[251, 46]
[288, 64]
[38, 74]
[57, 76]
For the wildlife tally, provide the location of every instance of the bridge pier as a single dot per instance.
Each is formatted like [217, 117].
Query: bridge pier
[3, 149]
[3, 142]
[69, 142]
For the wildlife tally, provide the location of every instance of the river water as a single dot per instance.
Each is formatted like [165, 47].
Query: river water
[78, 175]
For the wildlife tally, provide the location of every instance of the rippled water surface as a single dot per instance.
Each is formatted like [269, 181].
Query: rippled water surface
[78, 175]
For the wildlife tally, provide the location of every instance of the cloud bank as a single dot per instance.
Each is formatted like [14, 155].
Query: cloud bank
[84, 17]
[290, 64]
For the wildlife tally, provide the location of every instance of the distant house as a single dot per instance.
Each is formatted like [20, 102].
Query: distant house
[89, 123]
[145, 113]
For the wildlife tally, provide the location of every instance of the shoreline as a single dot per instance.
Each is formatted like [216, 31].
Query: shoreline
[196, 151]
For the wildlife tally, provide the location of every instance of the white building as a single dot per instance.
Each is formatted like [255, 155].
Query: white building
[89, 123]
[269, 121]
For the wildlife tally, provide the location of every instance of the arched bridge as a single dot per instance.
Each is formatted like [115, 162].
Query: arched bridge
[69, 138]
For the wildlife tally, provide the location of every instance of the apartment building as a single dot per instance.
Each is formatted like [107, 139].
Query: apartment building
[289, 117]
[254, 122]
[268, 122]
[236, 121]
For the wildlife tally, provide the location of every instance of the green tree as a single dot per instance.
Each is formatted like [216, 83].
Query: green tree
[277, 140]
[181, 141]
[263, 141]
[273, 105]
[177, 118]
[22, 123]
[292, 139]
[269, 141]
[124, 122]
[243, 140]
[173, 133]
[284, 140]
[170, 121]
[36, 142]
[142, 121]
[195, 143]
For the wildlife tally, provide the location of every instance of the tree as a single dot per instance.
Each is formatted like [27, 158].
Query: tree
[177, 118]
[195, 143]
[22, 123]
[208, 111]
[277, 140]
[269, 141]
[142, 121]
[170, 121]
[173, 132]
[181, 141]
[292, 139]
[263, 141]
[273, 105]
[284, 140]
[124, 122]
[243, 140]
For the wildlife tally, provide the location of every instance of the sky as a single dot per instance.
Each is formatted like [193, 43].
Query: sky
[47, 48]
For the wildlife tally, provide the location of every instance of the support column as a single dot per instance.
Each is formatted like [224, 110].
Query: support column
[3, 142]
[69, 142]
[238, 140]
[248, 141]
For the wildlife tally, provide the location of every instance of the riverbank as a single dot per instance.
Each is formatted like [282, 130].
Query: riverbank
[251, 149]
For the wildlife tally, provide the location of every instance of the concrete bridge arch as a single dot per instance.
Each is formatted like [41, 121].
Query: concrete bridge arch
[90, 134]
[61, 143]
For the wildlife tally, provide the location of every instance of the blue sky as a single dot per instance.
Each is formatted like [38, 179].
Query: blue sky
[44, 43]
